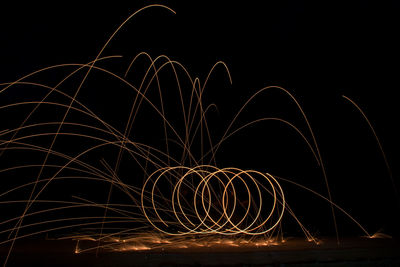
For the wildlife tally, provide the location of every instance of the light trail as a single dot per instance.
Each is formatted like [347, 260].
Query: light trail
[206, 173]
[175, 194]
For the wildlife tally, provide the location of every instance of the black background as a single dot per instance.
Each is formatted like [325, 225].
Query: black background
[318, 51]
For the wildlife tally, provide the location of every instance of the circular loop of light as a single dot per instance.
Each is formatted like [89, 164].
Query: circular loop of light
[201, 218]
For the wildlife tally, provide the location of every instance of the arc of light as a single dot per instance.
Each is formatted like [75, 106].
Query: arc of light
[66, 113]
[311, 133]
[379, 144]
[279, 120]
[327, 199]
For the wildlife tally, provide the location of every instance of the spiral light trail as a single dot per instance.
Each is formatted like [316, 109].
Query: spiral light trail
[205, 193]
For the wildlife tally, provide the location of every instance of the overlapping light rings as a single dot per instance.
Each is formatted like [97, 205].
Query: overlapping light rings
[207, 200]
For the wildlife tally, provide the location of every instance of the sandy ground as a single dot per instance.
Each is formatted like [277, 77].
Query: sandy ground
[294, 252]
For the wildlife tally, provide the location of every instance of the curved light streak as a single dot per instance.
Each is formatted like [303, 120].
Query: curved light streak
[203, 190]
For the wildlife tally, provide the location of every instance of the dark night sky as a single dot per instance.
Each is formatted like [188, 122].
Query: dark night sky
[317, 51]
